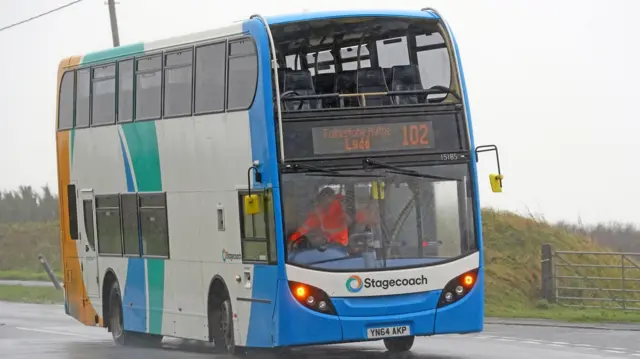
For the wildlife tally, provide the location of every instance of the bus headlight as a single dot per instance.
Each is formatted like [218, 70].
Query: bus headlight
[457, 288]
[311, 297]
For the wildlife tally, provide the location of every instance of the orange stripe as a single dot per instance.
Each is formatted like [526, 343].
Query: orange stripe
[76, 293]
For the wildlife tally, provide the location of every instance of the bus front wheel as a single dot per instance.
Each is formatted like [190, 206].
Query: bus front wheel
[399, 345]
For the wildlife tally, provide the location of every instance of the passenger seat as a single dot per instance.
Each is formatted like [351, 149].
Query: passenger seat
[372, 80]
[407, 78]
[301, 82]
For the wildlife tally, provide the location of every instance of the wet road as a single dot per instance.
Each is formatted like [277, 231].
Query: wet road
[44, 332]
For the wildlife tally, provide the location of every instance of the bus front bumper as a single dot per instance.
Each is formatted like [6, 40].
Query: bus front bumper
[297, 325]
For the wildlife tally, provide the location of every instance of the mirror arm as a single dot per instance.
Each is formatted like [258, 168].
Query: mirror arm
[488, 148]
[257, 174]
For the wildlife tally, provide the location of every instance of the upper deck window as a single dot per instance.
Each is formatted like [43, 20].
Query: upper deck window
[65, 106]
[104, 95]
[243, 74]
[334, 59]
[83, 97]
[149, 88]
[178, 76]
[210, 73]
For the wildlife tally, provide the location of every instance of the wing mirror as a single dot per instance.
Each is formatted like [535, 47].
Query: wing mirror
[494, 179]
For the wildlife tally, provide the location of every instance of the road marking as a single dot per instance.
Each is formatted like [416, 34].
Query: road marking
[636, 354]
[54, 332]
[531, 342]
[614, 351]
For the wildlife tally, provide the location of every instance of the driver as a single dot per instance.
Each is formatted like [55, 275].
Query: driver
[330, 217]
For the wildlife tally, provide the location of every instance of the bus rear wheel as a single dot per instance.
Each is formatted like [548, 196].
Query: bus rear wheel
[221, 326]
[399, 345]
[116, 324]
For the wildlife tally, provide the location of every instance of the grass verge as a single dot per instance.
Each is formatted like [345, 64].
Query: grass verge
[39, 295]
[25, 275]
[565, 314]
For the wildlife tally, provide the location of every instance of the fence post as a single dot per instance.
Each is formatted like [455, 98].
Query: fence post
[548, 282]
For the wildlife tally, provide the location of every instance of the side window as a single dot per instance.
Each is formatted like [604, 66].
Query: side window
[108, 222]
[104, 95]
[83, 94]
[125, 91]
[256, 232]
[87, 209]
[178, 75]
[210, 74]
[129, 209]
[434, 62]
[65, 106]
[153, 224]
[149, 88]
[243, 74]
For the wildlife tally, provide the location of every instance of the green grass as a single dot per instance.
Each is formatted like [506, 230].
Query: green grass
[39, 295]
[567, 314]
[25, 275]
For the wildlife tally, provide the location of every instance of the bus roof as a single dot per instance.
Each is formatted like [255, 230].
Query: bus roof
[308, 16]
[235, 28]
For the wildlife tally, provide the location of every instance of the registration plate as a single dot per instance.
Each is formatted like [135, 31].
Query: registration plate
[386, 332]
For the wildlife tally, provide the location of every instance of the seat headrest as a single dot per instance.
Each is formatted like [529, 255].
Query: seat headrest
[371, 77]
[408, 74]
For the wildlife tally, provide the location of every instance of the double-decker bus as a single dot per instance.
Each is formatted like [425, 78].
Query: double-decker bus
[192, 172]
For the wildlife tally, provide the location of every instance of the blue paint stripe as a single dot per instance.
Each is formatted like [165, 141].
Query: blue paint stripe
[134, 301]
[474, 167]
[261, 331]
[127, 166]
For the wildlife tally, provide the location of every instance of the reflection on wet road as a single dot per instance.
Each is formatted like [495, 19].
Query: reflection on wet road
[44, 332]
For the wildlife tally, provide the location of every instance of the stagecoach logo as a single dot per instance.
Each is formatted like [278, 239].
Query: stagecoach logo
[229, 256]
[355, 283]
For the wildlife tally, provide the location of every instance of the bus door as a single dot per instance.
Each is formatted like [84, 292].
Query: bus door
[87, 250]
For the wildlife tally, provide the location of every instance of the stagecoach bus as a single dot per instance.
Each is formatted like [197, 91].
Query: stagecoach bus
[186, 164]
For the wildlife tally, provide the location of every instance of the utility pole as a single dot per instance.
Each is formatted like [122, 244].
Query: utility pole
[114, 22]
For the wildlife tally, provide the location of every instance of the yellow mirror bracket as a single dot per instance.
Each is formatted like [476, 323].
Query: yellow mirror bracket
[494, 179]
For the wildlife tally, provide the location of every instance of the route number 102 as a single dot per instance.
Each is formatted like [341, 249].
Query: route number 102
[413, 135]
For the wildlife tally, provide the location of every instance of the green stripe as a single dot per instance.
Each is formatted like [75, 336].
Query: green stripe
[155, 273]
[112, 53]
[71, 146]
[145, 157]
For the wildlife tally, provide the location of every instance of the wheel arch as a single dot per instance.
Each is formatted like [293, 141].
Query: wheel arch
[109, 279]
[217, 293]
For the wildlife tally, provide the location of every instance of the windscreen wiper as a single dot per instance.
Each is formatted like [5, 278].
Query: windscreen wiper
[310, 168]
[368, 162]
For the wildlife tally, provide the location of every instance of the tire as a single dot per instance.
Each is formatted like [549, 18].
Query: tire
[399, 345]
[221, 326]
[116, 324]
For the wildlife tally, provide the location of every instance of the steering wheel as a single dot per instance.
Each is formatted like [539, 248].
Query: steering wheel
[359, 242]
[304, 242]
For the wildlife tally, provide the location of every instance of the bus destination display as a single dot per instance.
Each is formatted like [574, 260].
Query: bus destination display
[397, 136]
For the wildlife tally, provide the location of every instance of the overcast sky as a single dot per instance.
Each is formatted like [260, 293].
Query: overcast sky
[551, 82]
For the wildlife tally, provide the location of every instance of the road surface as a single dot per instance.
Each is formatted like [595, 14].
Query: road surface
[30, 331]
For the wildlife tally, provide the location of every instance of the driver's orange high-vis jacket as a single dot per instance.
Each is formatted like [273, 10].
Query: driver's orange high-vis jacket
[333, 223]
